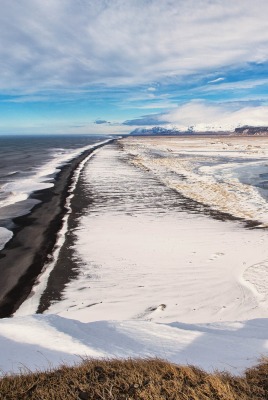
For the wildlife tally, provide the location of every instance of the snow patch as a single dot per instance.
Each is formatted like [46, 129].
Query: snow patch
[45, 341]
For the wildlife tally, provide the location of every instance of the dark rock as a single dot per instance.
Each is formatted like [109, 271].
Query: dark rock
[83, 395]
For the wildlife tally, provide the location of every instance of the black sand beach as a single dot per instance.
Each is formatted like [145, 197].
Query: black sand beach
[35, 234]
[66, 266]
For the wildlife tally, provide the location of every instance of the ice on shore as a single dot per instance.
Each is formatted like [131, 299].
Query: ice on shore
[223, 174]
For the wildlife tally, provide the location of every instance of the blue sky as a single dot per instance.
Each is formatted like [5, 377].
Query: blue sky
[108, 66]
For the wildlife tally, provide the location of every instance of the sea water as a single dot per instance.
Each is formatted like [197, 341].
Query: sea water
[28, 164]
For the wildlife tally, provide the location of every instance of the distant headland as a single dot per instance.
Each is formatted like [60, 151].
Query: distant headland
[245, 130]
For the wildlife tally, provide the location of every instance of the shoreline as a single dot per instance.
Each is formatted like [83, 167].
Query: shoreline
[167, 278]
[52, 219]
[164, 260]
[34, 238]
[67, 265]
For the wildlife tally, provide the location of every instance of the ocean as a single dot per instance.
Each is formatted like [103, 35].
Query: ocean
[29, 164]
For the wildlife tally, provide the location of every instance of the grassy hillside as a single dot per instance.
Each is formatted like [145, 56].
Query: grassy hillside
[135, 379]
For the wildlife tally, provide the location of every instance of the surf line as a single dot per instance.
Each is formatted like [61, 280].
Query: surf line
[31, 304]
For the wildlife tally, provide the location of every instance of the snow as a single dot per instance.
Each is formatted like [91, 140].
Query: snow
[148, 262]
[154, 279]
[136, 252]
[46, 341]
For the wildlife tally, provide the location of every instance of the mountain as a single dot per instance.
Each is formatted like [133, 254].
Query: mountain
[252, 130]
[156, 130]
[160, 131]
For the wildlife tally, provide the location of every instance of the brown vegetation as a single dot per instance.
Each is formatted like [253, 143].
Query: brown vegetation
[135, 379]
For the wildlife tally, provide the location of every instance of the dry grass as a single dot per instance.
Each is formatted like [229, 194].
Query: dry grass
[135, 379]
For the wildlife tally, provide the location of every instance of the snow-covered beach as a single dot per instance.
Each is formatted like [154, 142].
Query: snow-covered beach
[166, 261]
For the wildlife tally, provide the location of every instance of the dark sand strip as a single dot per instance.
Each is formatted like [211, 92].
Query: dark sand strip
[67, 266]
[34, 238]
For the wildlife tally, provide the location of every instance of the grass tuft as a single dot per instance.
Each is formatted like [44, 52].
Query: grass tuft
[150, 379]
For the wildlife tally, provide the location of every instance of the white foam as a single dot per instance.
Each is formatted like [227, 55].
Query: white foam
[5, 236]
[19, 190]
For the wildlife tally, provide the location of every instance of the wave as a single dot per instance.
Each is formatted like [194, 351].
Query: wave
[15, 194]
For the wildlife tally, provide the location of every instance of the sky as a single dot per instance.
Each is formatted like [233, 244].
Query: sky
[110, 66]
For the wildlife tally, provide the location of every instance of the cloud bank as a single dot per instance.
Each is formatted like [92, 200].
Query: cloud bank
[73, 65]
[203, 116]
[64, 43]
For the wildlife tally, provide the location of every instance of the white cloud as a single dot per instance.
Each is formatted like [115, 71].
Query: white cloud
[204, 116]
[245, 84]
[216, 80]
[62, 127]
[65, 43]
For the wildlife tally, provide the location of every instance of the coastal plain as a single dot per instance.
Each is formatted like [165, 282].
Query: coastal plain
[170, 257]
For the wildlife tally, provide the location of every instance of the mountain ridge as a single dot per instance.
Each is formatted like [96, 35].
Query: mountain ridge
[161, 131]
